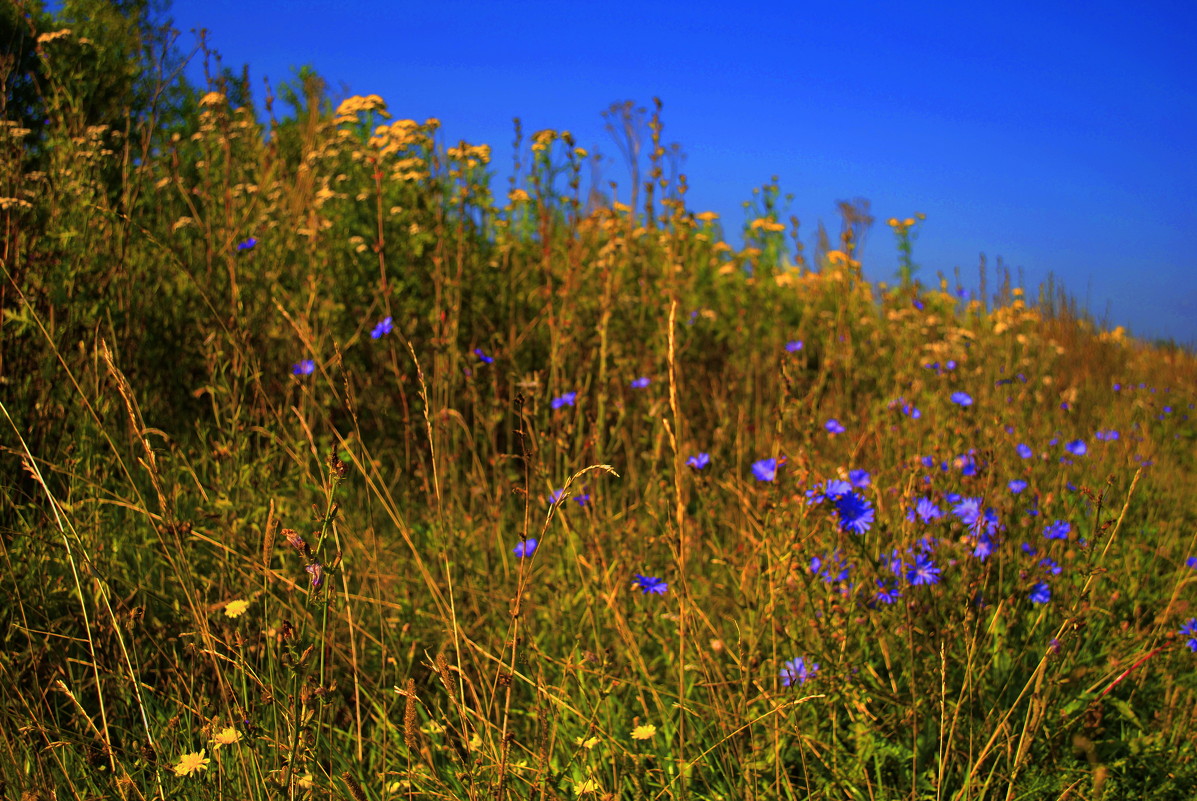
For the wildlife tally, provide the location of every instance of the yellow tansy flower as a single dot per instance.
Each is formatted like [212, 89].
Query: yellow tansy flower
[236, 608]
[226, 736]
[644, 731]
[190, 763]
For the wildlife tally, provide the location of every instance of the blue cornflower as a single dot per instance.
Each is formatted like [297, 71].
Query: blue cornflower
[962, 399]
[1050, 565]
[1077, 447]
[1040, 593]
[855, 513]
[886, 594]
[923, 571]
[1017, 485]
[1024, 450]
[928, 462]
[1029, 549]
[834, 426]
[481, 355]
[555, 496]
[305, 367]
[640, 383]
[984, 547]
[565, 400]
[1189, 629]
[794, 346]
[836, 487]
[765, 469]
[247, 244]
[1057, 530]
[700, 461]
[796, 671]
[821, 567]
[1191, 562]
[968, 511]
[583, 499]
[524, 548]
[383, 328]
[859, 478]
[927, 510]
[647, 584]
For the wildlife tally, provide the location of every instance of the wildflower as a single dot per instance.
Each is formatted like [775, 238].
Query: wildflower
[586, 787]
[1107, 436]
[305, 367]
[640, 383]
[190, 763]
[382, 329]
[797, 671]
[647, 584]
[911, 411]
[794, 346]
[855, 513]
[236, 608]
[859, 478]
[834, 426]
[226, 736]
[962, 399]
[583, 499]
[1017, 485]
[700, 461]
[836, 488]
[644, 731]
[525, 548]
[1189, 629]
[481, 355]
[820, 567]
[765, 469]
[588, 743]
[1050, 565]
[968, 511]
[1040, 593]
[926, 510]
[247, 244]
[1057, 530]
[886, 595]
[923, 571]
[317, 572]
[1077, 447]
[1191, 562]
[565, 400]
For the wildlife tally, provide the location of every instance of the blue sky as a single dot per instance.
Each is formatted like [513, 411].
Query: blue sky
[1061, 137]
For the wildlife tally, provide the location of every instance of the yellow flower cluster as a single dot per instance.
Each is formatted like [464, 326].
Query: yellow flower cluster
[767, 224]
[470, 155]
[351, 107]
[541, 140]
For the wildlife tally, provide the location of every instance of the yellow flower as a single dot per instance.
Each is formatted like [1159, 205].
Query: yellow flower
[586, 787]
[644, 731]
[226, 736]
[190, 763]
[236, 608]
[590, 742]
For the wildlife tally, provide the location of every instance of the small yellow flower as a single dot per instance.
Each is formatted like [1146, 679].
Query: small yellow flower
[706, 216]
[190, 763]
[586, 787]
[226, 736]
[589, 742]
[236, 608]
[644, 731]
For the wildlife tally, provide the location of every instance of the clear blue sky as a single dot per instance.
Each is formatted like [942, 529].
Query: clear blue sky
[1060, 136]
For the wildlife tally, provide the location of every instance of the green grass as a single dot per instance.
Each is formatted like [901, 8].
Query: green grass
[163, 461]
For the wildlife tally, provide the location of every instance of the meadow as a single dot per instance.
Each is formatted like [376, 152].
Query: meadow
[333, 469]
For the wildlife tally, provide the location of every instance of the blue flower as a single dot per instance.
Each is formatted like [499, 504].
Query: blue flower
[968, 511]
[1024, 450]
[855, 513]
[382, 329]
[837, 487]
[481, 355]
[524, 548]
[984, 547]
[962, 399]
[794, 346]
[305, 367]
[820, 566]
[1017, 485]
[647, 584]
[565, 400]
[1057, 530]
[765, 469]
[1191, 562]
[555, 496]
[700, 461]
[886, 594]
[1189, 629]
[796, 671]
[1050, 565]
[926, 510]
[859, 478]
[247, 244]
[1077, 447]
[834, 426]
[1040, 593]
[583, 499]
[640, 383]
[923, 571]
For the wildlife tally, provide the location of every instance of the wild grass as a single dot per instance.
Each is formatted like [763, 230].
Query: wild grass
[331, 471]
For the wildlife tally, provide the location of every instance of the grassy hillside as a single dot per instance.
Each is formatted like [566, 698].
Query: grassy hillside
[333, 469]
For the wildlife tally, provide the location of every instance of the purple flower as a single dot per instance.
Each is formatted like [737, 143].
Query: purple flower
[962, 399]
[1077, 447]
[1050, 565]
[926, 510]
[1040, 593]
[305, 367]
[834, 426]
[794, 346]
[700, 461]
[796, 671]
[855, 513]
[647, 584]
[555, 496]
[525, 548]
[247, 244]
[583, 499]
[1189, 629]
[923, 571]
[382, 329]
[765, 469]
[1024, 450]
[1017, 485]
[481, 355]
[317, 572]
[565, 400]
[886, 594]
[859, 478]
[968, 511]
[640, 383]
[1191, 563]
[1057, 530]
